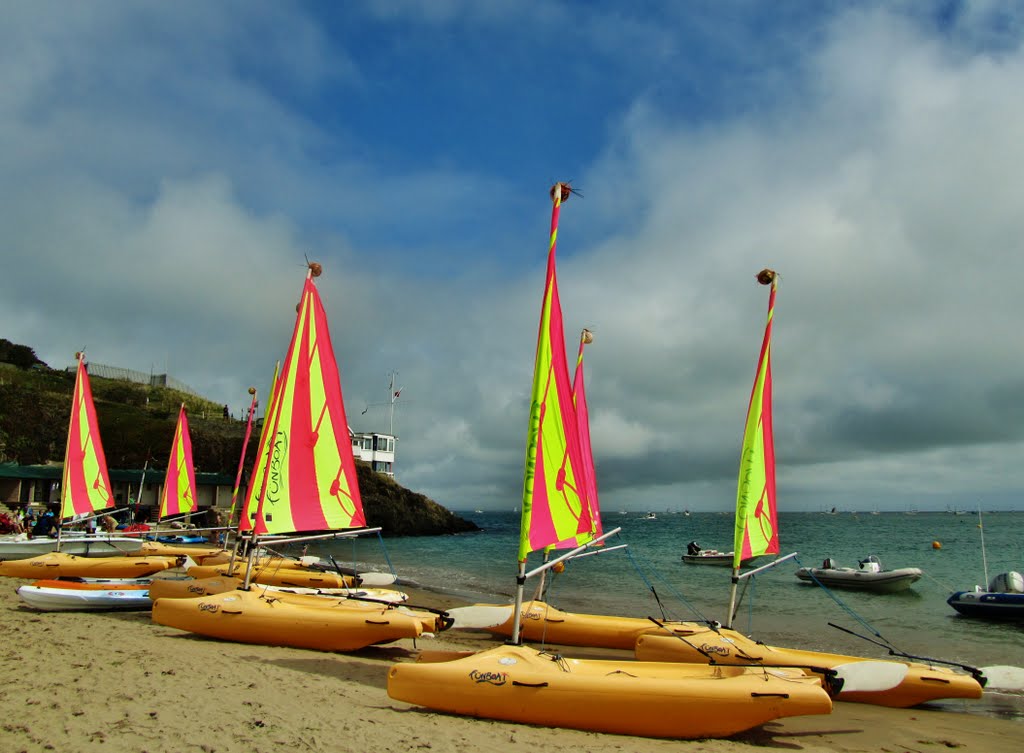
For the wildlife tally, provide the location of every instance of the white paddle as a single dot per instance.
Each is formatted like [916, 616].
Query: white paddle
[1003, 677]
[480, 616]
[870, 676]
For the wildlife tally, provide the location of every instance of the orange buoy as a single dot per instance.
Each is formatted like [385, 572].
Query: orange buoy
[936, 545]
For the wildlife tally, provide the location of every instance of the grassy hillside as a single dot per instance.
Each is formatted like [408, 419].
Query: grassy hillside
[137, 421]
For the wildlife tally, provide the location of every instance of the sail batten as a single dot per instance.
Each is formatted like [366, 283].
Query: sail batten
[307, 481]
[555, 506]
[756, 514]
[179, 494]
[85, 482]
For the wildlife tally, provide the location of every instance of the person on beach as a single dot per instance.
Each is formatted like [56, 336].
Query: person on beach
[109, 524]
[45, 526]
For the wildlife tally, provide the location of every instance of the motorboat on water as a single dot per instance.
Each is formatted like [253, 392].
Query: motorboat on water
[695, 555]
[867, 576]
[1003, 600]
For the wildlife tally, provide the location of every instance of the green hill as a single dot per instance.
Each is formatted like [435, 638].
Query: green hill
[137, 421]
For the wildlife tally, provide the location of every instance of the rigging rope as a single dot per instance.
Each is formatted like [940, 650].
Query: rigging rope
[845, 608]
[675, 592]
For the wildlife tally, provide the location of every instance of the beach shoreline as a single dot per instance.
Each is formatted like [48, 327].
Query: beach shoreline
[116, 682]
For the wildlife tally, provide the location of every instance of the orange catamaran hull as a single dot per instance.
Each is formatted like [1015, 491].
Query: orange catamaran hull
[921, 684]
[58, 564]
[520, 684]
[276, 619]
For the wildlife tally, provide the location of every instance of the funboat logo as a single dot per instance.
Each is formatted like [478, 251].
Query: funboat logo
[276, 481]
[709, 648]
[204, 607]
[491, 678]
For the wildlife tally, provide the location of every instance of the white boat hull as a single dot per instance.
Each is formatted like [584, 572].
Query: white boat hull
[885, 581]
[713, 557]
[988, 605]
[70, 599]
[17, 548]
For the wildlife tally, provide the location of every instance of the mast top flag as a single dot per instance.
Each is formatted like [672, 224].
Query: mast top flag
[555, 505]
[85, 484]
[756, 516]
[309, 476]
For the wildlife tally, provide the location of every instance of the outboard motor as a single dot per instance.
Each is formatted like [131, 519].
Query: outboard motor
[1007, 583]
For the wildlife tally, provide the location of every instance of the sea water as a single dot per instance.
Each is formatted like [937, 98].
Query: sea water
[649, 578]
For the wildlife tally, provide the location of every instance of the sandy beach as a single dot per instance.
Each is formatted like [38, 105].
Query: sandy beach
[118, 683]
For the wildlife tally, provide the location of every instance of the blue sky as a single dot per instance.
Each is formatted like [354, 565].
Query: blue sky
[168, 167]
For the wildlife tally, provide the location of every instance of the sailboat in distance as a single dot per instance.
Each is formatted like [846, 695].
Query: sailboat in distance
[85, 491]
[308, 484]
[179, 494]
[85, 483]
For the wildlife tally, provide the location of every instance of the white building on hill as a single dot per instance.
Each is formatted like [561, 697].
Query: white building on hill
[376, 449]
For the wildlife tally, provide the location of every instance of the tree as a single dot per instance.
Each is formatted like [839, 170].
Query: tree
[21, 356]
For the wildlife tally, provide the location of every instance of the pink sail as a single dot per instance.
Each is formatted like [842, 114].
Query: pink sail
[579, 398]
[85, 485]
[179, 493]
[555, 506]
[308, 476]
[757, 529]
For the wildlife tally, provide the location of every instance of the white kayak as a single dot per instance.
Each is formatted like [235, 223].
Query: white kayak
[20, 547]
[86, 595]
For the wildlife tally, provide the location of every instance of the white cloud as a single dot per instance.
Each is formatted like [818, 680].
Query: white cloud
[160, 192]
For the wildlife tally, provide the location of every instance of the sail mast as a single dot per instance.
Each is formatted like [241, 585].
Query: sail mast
[241, 465]
[757, 528]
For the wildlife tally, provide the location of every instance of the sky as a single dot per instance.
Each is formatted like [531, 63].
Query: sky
[168, 168]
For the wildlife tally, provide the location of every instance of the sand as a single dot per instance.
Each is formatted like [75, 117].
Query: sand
[116, 682]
